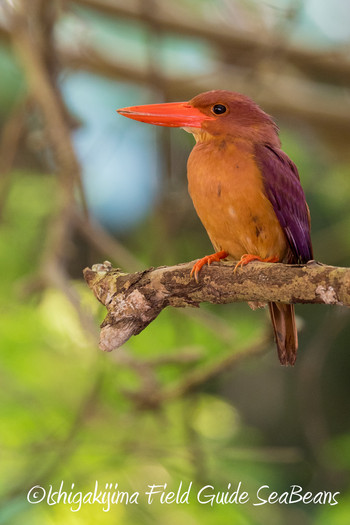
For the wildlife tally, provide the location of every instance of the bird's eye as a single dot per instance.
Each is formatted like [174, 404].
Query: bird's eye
[219, 109]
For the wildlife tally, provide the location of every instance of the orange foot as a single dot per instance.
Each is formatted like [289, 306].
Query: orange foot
[248, 257]
[208, 259]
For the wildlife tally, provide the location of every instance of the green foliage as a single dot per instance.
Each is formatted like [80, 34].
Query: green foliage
[65, 415]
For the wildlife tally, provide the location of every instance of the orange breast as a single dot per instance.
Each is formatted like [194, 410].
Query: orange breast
[227, 191]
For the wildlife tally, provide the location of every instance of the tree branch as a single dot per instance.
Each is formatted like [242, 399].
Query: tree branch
[244, 47]
[135, 300]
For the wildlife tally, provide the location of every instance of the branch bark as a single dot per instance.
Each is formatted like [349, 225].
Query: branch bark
[135, 300]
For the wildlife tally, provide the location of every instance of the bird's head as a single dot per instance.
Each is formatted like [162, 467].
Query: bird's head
[212, 114]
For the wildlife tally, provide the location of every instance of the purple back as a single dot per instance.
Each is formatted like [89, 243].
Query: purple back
[283, 189]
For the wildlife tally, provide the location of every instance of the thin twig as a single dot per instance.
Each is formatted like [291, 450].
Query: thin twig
[195, 379]
[154, 398]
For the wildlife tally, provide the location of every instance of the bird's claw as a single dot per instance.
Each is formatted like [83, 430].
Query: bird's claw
[248, 257]
[208, 259]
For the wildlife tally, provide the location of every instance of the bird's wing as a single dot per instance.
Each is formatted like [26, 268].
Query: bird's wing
[284, 191]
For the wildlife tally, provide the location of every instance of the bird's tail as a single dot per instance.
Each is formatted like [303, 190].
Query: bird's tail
[286, 335]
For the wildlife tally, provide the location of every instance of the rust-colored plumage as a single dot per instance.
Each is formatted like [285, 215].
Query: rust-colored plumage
[245, 189]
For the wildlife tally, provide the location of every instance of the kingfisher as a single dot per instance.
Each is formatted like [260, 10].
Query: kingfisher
[245, 189]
